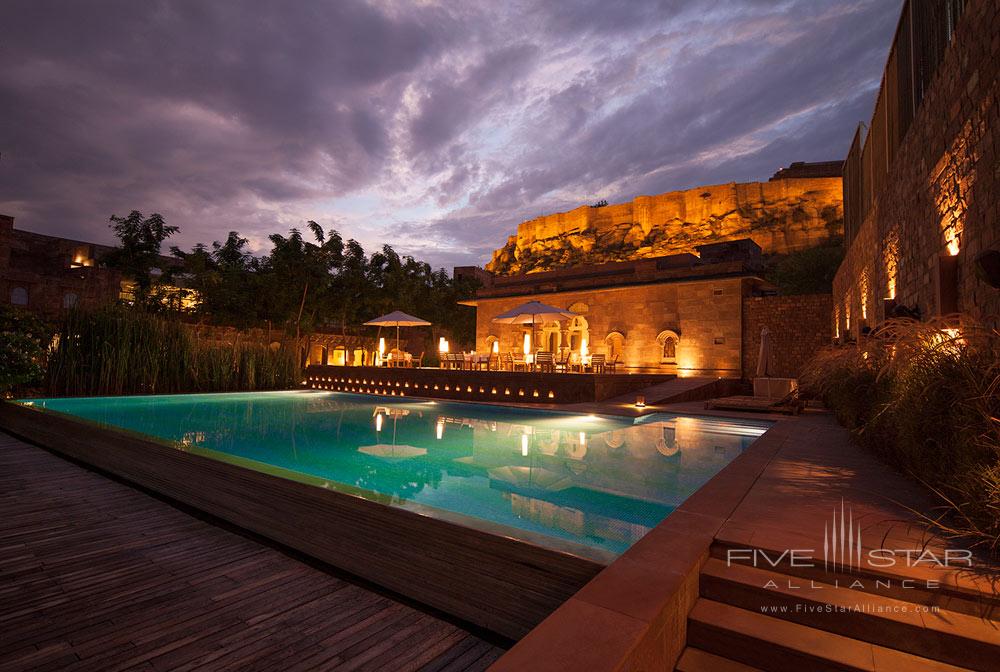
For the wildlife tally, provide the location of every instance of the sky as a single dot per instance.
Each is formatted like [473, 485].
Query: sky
[434, 126]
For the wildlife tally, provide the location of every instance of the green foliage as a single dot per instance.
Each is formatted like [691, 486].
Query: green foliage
[24, 339]
[124, 350]
[928, 402]
[325, 283]
[140, 240]
[808, 271]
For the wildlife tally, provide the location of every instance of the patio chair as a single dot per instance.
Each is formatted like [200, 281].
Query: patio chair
[612, 365]
[519, 363]
[545, 362]
[507, 362]
[418, 362]
[493, 363]
[562, 364]
[597, 363]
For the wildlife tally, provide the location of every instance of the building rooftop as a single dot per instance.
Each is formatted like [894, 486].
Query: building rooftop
[737, 258]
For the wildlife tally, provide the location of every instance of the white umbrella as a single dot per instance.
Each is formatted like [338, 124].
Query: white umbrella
[764, 355]
[397, 318]
[528, 313]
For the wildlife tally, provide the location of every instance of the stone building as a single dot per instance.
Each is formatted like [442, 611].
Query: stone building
[47, 274]
[679, 314]
[921, 188]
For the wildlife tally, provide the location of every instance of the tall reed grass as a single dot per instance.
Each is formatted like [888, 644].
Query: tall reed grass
[926, 397]
[122, 350]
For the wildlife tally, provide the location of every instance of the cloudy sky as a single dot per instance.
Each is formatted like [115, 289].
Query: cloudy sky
[435, 126]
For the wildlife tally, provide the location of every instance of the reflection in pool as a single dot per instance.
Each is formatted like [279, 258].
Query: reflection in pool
[590, 485]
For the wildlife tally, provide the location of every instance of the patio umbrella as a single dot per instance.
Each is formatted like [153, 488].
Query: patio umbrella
[764, 355]
[528, 313]
[397, 318]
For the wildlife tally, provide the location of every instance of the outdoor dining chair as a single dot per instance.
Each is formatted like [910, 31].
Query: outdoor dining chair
[562, 364]
[507, 362]
[519, 364]
[597, 363]
[545, 362]
[613, 364]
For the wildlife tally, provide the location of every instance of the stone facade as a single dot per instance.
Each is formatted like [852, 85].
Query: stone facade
[940, 195]
[46, 274]
[798, 326]
[680, 314]
[782, 215]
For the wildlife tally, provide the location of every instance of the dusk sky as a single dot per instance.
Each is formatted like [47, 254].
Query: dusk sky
[433, 126]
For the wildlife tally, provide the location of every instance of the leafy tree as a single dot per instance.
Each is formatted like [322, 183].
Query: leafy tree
[141, 238]
[24, 339]
[807, 271]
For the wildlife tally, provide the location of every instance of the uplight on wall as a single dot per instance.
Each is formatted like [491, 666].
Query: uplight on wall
[496, 347]
[527, 344]
[442, 344]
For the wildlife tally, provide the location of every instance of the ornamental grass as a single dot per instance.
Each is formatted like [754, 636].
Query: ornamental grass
[123, 350]
[925, 396]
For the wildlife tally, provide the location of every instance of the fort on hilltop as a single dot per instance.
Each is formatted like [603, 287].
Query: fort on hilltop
[799, 207]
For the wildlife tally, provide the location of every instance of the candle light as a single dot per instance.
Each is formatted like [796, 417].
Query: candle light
[640, 401]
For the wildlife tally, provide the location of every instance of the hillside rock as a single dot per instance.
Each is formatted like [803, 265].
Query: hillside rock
[783, 215]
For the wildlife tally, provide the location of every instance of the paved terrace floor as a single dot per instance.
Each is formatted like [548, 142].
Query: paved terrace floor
[95, 575]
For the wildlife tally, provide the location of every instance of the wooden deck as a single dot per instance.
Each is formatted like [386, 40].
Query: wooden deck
[95, 575]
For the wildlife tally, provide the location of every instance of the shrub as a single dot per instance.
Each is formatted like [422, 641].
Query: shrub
[24, 339]
[927, 400]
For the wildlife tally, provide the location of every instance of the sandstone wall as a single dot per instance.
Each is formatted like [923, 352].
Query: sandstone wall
[944, 181]
[798, 326]
[781, 216]
[705, 314]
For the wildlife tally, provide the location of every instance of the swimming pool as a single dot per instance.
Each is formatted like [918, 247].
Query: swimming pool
[583, 484]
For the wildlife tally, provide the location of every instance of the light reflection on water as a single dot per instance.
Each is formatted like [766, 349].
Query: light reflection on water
[586, 484]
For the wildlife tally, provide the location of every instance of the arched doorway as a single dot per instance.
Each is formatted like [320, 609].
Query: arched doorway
[615, 345]
[551, 337]
[579, 331]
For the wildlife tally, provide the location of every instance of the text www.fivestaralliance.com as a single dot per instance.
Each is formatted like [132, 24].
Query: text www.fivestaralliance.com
[848, 609]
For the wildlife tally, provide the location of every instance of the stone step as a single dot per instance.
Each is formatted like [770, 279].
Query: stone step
[696, 660]
[937, 634]
[906, 584]
[775, 645]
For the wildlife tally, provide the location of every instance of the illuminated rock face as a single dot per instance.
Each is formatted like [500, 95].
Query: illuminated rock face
[781, 216]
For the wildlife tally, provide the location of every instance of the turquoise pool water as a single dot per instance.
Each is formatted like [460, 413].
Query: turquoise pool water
[590, 485]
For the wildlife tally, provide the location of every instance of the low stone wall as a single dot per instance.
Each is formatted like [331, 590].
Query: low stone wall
[488, 386]
[799, 326]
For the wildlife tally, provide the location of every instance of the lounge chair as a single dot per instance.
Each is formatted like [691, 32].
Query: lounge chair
[790, 404]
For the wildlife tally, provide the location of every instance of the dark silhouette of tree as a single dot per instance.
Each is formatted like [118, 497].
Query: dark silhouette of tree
[140, 240]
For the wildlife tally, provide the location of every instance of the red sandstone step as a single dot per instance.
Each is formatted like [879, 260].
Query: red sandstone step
[774, 645]
[956, 638]
[696, 660]
[960, 598]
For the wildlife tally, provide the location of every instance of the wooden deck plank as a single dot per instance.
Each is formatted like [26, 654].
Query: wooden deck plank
[95, 575]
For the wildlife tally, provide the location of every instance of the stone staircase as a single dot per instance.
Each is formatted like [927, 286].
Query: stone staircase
[786, 618]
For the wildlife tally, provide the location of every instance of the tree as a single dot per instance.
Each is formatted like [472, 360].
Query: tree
[23, 342]
[138, 254]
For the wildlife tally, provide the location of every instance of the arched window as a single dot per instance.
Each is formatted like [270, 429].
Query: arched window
[667, 341]
[19, 296]
[69, 299]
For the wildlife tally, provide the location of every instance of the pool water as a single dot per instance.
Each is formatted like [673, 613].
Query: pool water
[588, 485]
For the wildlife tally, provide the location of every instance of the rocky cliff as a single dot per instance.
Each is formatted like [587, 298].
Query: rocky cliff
[782, 215]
